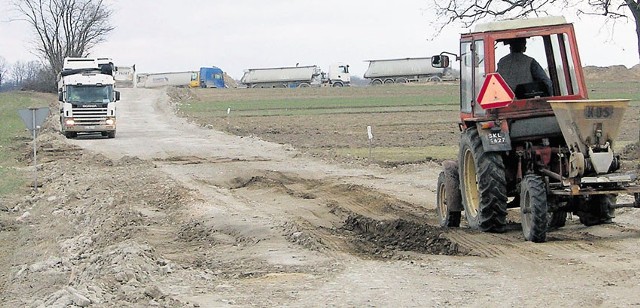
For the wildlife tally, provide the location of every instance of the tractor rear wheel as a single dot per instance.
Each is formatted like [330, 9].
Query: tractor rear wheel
[448, 197]
[533, 208]
[482, 184]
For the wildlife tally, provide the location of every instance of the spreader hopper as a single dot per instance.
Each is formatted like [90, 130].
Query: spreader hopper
[589, 123]
[590, 126]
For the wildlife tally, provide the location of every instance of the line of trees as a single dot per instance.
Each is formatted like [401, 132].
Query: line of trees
[31, 75]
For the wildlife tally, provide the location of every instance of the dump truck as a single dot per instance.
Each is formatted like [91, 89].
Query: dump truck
[125, 76]
[297, 77]
[548, 153]
[389, 71]
[87, 98]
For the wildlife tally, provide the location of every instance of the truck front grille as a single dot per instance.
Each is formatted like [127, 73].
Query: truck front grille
[90, 116]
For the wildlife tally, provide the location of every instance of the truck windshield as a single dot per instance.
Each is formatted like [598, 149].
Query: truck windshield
[90, 94]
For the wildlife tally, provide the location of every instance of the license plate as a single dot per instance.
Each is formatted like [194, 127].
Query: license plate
[496, 138]
[90, 127]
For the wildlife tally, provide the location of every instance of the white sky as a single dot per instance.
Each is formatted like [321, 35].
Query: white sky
[170, 35]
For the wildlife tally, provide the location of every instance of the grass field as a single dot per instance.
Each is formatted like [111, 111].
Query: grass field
[14, 138]
[410, 123]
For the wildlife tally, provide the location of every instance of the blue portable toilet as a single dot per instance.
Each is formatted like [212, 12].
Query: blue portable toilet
[211, 77]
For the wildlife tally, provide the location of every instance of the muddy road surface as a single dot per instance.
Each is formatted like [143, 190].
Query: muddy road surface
[169, 214]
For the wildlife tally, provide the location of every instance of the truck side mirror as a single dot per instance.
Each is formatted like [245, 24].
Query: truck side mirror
[117, 96]
[440, 61]
[60, 96]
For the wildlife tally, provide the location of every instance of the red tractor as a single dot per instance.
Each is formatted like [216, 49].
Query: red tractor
[529, 139]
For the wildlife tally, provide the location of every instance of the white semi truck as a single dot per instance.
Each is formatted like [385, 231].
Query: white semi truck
[403, 70]
[297, 77]
[87, 97]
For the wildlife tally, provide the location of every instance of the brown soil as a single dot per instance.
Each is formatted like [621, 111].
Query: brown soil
[172, 215]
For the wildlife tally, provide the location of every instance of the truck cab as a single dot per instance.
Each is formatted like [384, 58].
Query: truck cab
[211, 77]
[87, 96]
[338, 75]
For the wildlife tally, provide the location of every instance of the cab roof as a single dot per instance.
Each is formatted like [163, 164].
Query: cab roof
[510, 24]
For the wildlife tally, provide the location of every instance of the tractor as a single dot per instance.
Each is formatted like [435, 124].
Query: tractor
[544, 147]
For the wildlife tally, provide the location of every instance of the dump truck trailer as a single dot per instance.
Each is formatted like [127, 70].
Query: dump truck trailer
[297, 77]
[169, 79]
[388, 71]
[521, 146]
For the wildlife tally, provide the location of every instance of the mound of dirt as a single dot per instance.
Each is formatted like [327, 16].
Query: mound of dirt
[612, 73]
[385, 238]
[229, 81]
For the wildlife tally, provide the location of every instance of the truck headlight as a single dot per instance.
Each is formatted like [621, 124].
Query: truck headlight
[70, 122]
[110, 121]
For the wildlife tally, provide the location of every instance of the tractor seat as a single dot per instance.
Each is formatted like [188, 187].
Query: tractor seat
[531, 90]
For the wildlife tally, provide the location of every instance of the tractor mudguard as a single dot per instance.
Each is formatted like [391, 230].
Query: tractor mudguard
[494, 136]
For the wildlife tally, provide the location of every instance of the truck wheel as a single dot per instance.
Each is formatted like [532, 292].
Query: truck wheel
[70, 135]
[598, 210]
[482, 184]
[401, 80]
[388, 81]
[533, 208]
[337, 84]
[434, 79]
[448, 197]
[376, 82]
[111, 134]
[303, 85]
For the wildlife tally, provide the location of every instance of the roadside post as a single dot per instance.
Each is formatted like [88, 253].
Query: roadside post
[370, 134]
[228, 116]
[33, 119]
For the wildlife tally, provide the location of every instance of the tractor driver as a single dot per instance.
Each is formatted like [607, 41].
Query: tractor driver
[519, 69]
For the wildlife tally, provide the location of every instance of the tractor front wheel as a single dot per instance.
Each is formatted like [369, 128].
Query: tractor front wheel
[533, 208]
[482, 184]
[448, 198]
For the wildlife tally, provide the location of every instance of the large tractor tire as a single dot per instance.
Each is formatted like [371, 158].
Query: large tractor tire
[482, 184]
[533, 208]
[448, 197]
[599, 210]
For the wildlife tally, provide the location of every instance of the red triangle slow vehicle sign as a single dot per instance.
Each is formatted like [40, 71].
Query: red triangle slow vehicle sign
[495, 92]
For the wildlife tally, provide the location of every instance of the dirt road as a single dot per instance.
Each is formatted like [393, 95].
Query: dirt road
[170, 214]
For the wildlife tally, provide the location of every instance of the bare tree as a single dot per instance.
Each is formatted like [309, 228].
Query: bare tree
[18, 72]
[4, 67]
[65, 28]
[471, 11]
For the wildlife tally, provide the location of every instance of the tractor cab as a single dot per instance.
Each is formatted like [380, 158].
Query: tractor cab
[550, 51]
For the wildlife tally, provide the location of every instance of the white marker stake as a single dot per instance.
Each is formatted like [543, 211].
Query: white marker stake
[370, 140]
[228, 115]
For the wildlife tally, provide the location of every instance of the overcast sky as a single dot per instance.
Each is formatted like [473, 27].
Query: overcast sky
[171, 35]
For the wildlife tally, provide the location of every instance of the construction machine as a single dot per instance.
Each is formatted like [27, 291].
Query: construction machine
[539, 144]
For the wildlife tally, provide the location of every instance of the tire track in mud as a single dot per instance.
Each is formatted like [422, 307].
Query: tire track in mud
[335, 217]
[369, 223]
